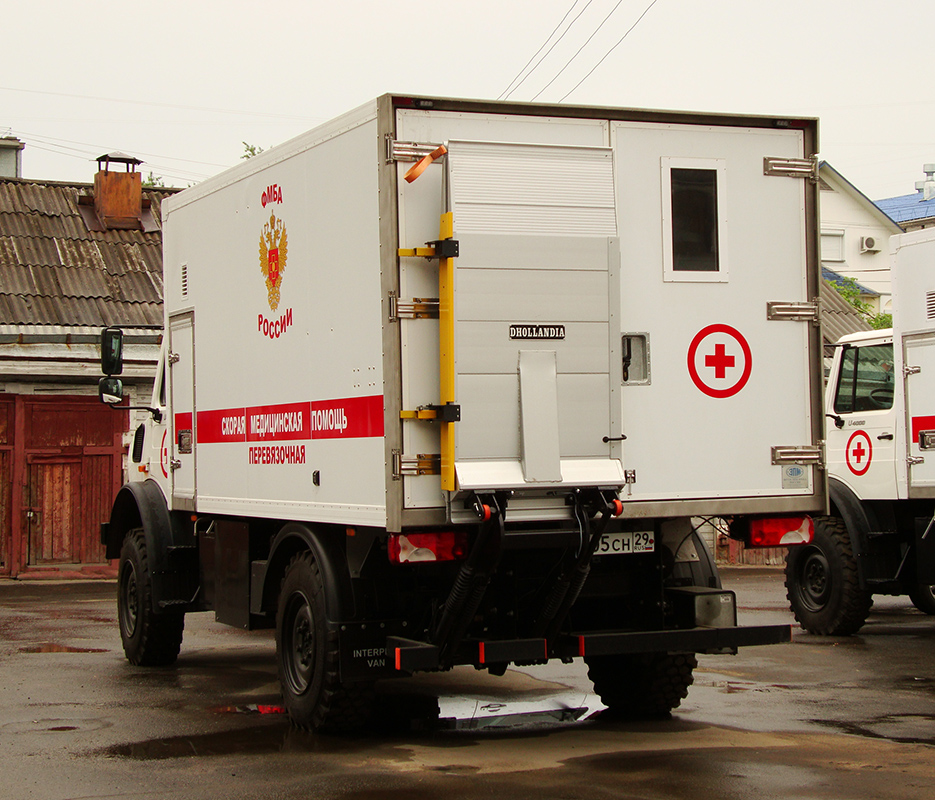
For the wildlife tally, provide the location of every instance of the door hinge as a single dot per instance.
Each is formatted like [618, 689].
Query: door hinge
[792, 167]
[407, 151]
[907, 371]
[173, 358]
[175, 464]
[422, 464]
[807, 455]
[629, 476]
[795, 311]
[417, 308]
[914, 461]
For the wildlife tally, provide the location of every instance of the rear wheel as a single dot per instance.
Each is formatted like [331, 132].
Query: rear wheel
[822, 584]
[640, 685]
[307, 656]
[150, 639]
[923, 598]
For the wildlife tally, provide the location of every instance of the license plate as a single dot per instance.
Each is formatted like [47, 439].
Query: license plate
[626, 542]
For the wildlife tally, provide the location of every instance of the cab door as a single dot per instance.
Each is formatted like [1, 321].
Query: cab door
[182, 434]
[861, 451]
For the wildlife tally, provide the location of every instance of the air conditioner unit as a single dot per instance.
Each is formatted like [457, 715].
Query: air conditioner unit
[870, 244]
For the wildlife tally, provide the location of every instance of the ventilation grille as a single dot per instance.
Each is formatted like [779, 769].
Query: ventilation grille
[930, 305]
[184, 280]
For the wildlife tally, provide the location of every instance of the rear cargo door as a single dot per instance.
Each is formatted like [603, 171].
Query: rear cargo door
[536, 364]
[708, 240]
[919, 358]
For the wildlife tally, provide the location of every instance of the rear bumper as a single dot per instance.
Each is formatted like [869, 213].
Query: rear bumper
[407, 655]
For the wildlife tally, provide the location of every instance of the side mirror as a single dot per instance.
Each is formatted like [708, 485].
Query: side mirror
[111, 351]
[110, 390]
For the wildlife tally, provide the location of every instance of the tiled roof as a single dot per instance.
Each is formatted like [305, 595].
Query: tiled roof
[907, 207]
[838, 317]
[55, 271]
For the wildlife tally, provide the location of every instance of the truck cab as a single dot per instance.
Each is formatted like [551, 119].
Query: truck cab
[879, 537]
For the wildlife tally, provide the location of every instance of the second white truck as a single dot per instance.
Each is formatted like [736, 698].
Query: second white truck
[880, 404]
[444, 382]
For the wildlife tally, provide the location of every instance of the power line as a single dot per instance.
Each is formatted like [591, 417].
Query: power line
[536, 65]
[85, 153]
[96, 148]
[620, 41]
[578, 52]
[506, 91]
[163, 105]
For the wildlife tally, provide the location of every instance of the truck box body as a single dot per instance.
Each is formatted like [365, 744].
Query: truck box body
[592, 243]
[914, 329]
[445, 382]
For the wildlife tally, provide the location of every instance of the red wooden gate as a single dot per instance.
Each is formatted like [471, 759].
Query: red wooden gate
[6, 483]
[65, 465]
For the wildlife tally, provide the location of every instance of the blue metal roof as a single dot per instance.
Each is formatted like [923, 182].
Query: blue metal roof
[907, 207]
[838, 280]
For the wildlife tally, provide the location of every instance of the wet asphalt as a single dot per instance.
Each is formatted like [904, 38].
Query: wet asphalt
[819, 718]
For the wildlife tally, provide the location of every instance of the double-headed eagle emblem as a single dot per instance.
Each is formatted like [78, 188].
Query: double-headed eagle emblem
[273, 257]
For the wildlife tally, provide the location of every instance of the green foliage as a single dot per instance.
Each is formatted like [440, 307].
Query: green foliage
[250, 150]
[153, 182]
[850, 291]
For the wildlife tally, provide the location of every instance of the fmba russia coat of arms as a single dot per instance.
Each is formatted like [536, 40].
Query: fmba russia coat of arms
[273, 257]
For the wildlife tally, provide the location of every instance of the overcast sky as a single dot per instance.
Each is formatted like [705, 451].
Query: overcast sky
[182, 84]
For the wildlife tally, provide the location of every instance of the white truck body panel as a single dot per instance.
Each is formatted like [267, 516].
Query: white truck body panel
[279, 275]
[914, 329]
[748, 377]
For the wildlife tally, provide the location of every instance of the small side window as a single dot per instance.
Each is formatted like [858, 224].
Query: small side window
[693, 219]
[865, 382]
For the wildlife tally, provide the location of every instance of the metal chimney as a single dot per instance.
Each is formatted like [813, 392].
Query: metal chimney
[928, 187]
[11, 157]
[118, 196]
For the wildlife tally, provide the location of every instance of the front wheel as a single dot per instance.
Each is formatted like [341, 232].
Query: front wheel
[307, 656]
[641, 685]
[923, 598]
[150, 639]
[822, 584]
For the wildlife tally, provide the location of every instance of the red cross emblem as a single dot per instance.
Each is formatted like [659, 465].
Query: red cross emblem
[859, 452]
[719, 361]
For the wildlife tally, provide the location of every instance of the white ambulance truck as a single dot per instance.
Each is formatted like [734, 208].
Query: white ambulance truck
[444, 383]
[880, 535]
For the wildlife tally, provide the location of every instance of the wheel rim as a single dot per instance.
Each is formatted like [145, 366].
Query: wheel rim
[129, 606]
[299, 648]
[814, 586]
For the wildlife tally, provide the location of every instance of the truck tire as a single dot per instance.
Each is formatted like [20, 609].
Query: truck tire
[642, 685]
[923, 598]
[150, 639]
[307, 656]
[822, 584]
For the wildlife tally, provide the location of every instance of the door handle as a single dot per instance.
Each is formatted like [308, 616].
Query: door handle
[885, 436]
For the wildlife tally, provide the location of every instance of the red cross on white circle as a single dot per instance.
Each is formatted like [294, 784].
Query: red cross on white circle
[719, 361]
[859, 452]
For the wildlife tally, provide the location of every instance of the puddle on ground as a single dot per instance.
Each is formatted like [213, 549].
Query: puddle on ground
[55, 647]
[396, 714]
[54, 726]
[892, 728]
